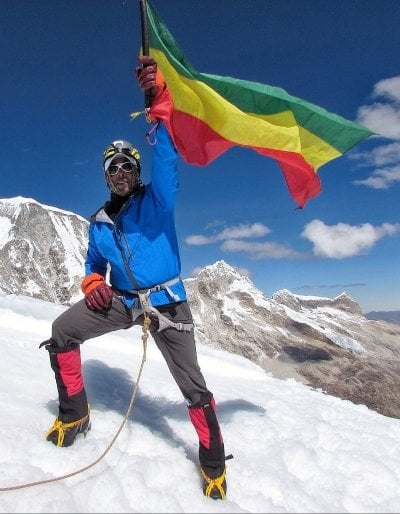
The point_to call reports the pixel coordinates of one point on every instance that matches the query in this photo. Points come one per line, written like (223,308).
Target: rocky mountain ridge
(42,250)
(322,342)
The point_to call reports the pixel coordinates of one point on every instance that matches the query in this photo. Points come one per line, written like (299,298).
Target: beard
(124,184)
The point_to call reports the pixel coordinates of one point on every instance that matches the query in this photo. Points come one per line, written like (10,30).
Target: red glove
(98,294)
(149,77)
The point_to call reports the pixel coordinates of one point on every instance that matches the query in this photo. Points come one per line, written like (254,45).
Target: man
(133,238)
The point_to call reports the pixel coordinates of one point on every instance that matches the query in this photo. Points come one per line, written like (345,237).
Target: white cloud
(383,117)
(380,156)
(198,240)
(233,241)
(244,231)
(387,154)
(196,271)
(259,251)
(334,242)
(381,178)
(389,88)
(236,231)
(342,240)
(245,272)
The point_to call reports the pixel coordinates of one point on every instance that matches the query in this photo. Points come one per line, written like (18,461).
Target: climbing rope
(145,336)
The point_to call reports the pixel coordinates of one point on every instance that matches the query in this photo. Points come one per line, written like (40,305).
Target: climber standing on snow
(134,236)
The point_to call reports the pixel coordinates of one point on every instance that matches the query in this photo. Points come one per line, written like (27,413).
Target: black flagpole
(145,42)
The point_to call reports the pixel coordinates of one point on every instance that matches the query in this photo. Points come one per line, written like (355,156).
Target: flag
(208,114)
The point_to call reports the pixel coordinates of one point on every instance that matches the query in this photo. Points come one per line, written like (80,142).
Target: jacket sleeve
(164,175)
(94,262)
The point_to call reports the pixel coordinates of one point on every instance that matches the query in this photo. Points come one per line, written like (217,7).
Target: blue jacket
(144,232)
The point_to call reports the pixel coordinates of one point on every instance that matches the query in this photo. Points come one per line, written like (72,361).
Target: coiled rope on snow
(145,336)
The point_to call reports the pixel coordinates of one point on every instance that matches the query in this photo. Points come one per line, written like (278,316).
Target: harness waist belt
(144,299)
(154,289)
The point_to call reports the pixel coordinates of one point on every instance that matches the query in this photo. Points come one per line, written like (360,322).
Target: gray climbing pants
(78,324)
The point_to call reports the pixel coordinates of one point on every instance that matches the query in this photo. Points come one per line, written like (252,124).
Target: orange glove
(98,294)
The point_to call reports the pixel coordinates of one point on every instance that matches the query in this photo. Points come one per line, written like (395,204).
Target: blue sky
(68,89)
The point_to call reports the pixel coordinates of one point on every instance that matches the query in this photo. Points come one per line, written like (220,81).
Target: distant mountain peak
(14,205)
(225,277)
(343,301)
(17,200)
(220,267)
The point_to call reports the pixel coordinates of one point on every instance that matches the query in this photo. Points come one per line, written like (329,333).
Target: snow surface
(307,318)
(295,449)
(5,228)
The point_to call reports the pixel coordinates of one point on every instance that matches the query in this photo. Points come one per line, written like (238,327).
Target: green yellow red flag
(208,114)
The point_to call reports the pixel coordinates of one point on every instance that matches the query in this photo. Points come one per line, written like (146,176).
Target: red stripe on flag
(198,144)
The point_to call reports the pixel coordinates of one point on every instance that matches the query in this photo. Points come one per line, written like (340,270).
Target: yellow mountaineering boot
(214,488)
(64,434)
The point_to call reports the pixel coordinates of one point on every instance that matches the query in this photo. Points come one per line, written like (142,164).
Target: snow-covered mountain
(326,343)
(323,342)
(42,250)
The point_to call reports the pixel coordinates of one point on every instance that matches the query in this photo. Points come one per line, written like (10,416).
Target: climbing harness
(143,296)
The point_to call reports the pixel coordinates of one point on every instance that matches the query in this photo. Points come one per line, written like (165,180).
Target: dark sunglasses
(126,167)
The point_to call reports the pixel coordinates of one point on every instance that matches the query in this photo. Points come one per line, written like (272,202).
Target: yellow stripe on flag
(273,131)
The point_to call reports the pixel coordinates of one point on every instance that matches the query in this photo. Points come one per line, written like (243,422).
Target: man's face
(123,181)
